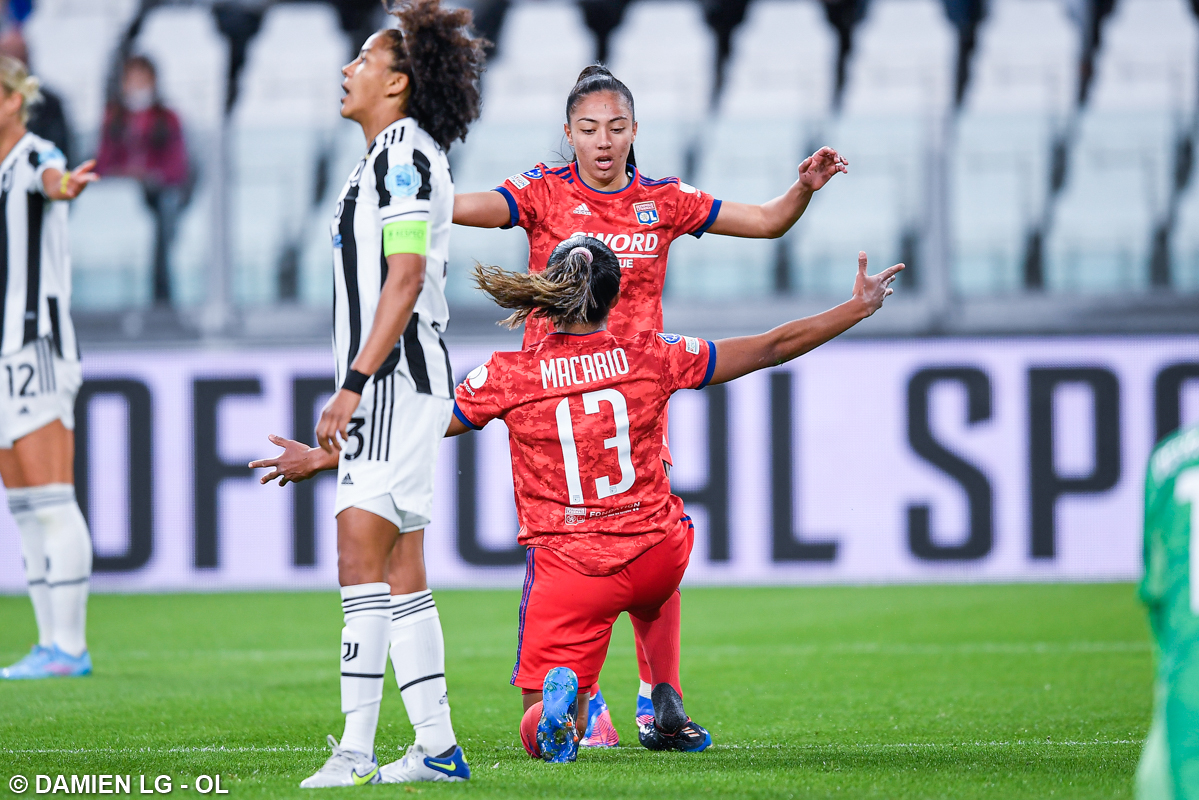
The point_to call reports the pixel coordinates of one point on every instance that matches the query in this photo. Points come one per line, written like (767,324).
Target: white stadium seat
(903,62)
(286,115)
(192,60)
(747,161)
(1184,242)
(71,54)
(542,48)
(768,76)
(1115,193)
(999,184)
(1026,60)
(1148,60)
(666,54)
(112,243)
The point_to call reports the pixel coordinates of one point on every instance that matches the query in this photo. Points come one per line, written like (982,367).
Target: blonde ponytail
(15,77)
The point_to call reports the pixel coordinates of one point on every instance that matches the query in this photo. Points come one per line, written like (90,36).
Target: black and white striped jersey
(35,262)
(404,176)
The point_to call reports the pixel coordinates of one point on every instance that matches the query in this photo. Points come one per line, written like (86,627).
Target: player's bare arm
(68,185)
(746,354)
(405,277)
(773,218)
(298,462)
(481,210)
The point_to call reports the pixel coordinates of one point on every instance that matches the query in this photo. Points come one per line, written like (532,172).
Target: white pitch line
(825,746)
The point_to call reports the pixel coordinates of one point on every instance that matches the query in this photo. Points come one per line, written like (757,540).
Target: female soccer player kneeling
(585,412)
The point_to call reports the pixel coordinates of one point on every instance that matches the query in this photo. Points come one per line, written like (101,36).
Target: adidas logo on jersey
(582,209)
(347,480)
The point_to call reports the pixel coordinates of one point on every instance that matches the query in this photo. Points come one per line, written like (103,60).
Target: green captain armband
(406,236)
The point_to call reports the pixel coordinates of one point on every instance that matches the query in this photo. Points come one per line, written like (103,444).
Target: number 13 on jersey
(604,487)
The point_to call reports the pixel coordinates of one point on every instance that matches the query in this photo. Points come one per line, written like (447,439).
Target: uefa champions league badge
(402,180)
(646,212)
(670,338)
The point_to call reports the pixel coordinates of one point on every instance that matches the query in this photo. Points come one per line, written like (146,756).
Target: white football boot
(417,765)
(344,768)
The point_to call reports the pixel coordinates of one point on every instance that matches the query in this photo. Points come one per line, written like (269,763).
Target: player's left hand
(78,179)
(820,167)
(335,419)
(298,462)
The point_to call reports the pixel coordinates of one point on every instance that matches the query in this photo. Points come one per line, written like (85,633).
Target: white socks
(68,551)
(33,553)
(646,690)
(363,661)
(418,658)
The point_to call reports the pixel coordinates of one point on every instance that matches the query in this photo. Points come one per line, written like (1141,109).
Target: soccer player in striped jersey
(414,91)
(585,411)
(602,193)
(39,378)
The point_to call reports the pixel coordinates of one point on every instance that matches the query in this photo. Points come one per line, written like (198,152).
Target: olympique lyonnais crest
(646,212)
(575,515)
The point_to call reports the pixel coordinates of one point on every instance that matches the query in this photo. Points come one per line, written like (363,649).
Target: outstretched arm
(68,185)
(746,354)
(481,210)
(775,217)
(298,462)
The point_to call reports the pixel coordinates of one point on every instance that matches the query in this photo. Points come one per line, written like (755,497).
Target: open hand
(78,179)
(872,290)
(298,462)
(820,167)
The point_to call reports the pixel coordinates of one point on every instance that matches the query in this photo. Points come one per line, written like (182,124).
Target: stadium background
(1030,160)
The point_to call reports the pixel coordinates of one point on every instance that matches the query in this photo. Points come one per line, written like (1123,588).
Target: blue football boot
(29,667)
(600,730)
(645,714)
(63,665)
(671,728)
(557,737)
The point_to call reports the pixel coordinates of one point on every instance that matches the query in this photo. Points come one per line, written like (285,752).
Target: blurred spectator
(143,139)
(46,119)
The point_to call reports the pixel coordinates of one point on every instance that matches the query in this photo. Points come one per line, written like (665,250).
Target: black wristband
(355,381)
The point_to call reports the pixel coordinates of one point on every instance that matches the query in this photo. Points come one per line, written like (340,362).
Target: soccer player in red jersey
(585,415)
(585,411)
(603,194)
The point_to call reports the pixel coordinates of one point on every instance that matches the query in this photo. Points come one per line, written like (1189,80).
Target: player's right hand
(335,419)
(298,462)
(872,290)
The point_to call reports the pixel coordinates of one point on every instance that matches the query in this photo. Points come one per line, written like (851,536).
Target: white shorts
(36,388)
(387,464)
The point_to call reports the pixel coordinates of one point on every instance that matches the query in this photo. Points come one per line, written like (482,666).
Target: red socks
(658,644)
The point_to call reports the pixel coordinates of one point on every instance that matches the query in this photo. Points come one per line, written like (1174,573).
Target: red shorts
(566,617)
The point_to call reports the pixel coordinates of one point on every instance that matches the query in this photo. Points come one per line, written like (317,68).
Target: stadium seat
(346,148)
(1148,60)
(508,249)
(1184,242)
(286,115)
(999,183)
(880,203)
(1026,61)
(112,246)
(748,161)
(767,76)
(903,62)
(192,253)
(666,54)
(192,59)
(529,84)
(72,55)
(1100,237)
(492,152)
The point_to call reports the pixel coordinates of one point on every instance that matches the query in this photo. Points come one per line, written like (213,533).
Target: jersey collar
(399,123)
(574,170)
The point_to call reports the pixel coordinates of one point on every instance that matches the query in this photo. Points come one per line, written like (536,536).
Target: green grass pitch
(1025,691)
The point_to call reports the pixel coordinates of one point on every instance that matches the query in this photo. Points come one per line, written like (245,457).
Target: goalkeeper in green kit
(1169,768)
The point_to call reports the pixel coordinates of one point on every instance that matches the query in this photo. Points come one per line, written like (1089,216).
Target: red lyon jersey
(585,417)
(638,222)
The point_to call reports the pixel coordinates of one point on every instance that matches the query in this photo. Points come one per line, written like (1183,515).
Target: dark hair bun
(593,69)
